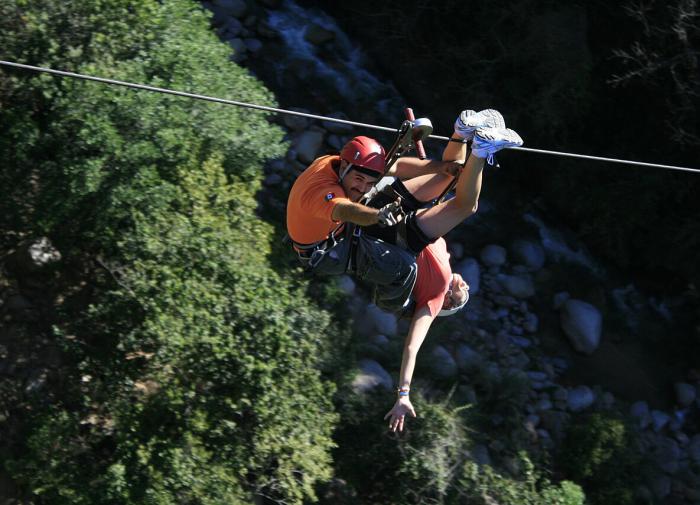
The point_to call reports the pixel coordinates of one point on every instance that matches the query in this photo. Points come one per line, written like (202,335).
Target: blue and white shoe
(468,121)
(488,141)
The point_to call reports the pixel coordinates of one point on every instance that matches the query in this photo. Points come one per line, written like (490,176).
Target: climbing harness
(323,118)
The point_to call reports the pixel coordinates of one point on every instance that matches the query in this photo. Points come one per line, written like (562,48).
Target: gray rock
(531,322)
(444,365)
(659,420)
(580,398)
(543,405)
(232,28)
(456,250)
(685,394)
(480,455)
(239,49)
(469,269)
(384,322)
(519,287)
(694,448)
(235,8)
(253,45)
(467,358)
(334,142)
(272,180)
(528,253)
(370,376)
(493,255)
(554,422)
(346,284)
(661,486)
(640,411)
(667,455)
(560,299)
(338,128)
(583,324)
(297,123)
(308,145)
(317,34)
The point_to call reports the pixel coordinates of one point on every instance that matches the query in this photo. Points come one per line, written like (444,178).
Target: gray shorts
(390,269)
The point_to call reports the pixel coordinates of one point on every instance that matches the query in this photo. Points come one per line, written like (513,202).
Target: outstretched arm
(420,324)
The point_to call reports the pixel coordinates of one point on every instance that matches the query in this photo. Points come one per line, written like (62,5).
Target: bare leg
(428,187)
(440,219)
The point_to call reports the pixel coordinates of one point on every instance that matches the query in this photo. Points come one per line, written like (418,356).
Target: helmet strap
(344,172)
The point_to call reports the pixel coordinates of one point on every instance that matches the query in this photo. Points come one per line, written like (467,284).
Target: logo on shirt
(330,197)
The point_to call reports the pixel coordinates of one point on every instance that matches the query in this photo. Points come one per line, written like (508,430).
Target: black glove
(391,214)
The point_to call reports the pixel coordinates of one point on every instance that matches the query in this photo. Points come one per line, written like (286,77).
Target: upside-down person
(438,291)
(324,218)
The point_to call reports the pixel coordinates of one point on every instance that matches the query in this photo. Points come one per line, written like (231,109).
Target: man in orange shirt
(324,215)
(438,291)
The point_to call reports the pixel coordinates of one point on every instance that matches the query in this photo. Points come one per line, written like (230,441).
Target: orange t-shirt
(311,201)
(434,276)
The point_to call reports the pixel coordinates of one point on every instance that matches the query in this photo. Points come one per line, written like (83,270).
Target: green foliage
(600,452)
(482,485)
(418,466)
(192,367)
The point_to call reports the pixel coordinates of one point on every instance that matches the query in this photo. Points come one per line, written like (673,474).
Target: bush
(600,453)
(191,368)
(481,485)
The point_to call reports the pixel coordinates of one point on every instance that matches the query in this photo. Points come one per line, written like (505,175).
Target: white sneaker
(468,121)
(488,141)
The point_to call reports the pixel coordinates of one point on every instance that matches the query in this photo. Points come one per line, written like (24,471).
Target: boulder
(560,299)
(345,284)
(297,123)
(694,449)
(253,45)
(467,358)
(659,420)
(469,269)
(493,255)
(382,321)
(235,8)
(338,128)
(444,365)
(640,411)
(667,455)
(308,144)
(371,375)
(582,323)
(685,394)
(517,286)
(528,253)
(317,34)
(580,398)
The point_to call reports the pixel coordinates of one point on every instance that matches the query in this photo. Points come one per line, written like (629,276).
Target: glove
(391,214)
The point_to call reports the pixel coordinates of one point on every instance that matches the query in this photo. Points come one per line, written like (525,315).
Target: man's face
(357,184)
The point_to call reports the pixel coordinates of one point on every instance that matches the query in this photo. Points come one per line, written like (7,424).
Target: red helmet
(366,153)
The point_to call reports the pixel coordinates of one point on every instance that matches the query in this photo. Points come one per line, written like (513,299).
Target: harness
(311,255)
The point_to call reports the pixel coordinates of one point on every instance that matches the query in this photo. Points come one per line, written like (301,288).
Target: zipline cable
(314,116)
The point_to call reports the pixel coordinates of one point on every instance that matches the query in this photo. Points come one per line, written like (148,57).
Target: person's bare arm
(420,324)
(357,213)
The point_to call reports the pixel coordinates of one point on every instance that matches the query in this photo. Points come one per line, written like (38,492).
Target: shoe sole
(487,118)
(500,137)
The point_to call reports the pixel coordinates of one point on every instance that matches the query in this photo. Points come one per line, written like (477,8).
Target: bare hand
(398,413)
